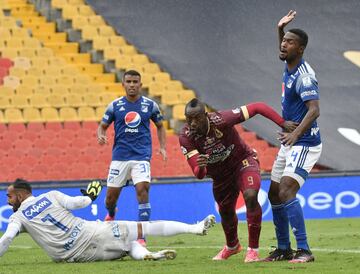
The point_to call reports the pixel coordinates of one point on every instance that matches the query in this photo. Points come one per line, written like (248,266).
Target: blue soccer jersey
(132,139)
(300,85)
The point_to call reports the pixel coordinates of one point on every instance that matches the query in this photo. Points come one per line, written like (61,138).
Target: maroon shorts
(246,176)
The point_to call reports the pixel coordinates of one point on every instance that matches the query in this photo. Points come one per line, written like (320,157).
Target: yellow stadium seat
(68,114)
(32,115)
(63,48)
(100,42)
(52,70)
(22,62)
(78,89)
(82,79)
(6,91)
(85,10)
(2,118)
(162,77)
(25,90)
(96,20)
(47,80)
(170,98)
(36,71)
(88,32)
(8,21)
(178,112)
(146,79)
(123,61)
(151,68)
(91,68)
(13,115)
(9,52)
(31,43)
(186,95)
(41,89)
(174,85)
(128,49)
(60,89)
(11,81)
(99,112)
(5,102)
(56,100)
(104,77)
(69,12)
(87,114)
(65,79)
(156,88)
(108,97)
(117,40)
(140,59)
(75,2)
(18,72)
(111,53)
(30,80)
(76,58)
(44,52)
(20,101)
(19,32)
(75,100)
(38,100)
(50,114)
(96,88)
(27,52)
(78,22)
(5,32)
(69,70)
(58,37)
(39,62)
(106,31)
(58,3)
(93,100)
(14,42)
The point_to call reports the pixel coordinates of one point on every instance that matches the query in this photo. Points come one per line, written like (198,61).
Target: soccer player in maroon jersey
(213,147)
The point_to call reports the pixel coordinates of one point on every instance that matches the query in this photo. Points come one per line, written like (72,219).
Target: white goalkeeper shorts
(111,240)
(295,162)
(120,172)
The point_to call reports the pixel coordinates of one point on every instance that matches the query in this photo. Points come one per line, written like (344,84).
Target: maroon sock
(229,223)
(254,225)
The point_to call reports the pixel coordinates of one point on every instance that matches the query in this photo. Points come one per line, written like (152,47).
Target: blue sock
(297,222)
(281,222)
(144,212)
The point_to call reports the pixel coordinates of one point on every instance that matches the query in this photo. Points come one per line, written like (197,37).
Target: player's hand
(287,19)
(102,139)
(93,190)
(163,153)
(202,160)
(290,126)
(287,139)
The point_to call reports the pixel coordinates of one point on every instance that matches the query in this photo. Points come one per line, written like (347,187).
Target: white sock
(169,228)
(255,249)
(137,251)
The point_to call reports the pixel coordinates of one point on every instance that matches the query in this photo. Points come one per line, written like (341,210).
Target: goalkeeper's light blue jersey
(132,139)
(300,85)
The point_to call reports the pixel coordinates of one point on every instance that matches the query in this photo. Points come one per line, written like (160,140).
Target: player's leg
(226,196)
(302,160)
(280,218)
(249,181)
(139,252)
(117,177)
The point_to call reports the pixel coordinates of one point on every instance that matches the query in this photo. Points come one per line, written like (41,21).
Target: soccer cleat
(279,255)
(225,253)
(252,256)
(108,218)
(161,255)
(142,242)
(302,256)
(207,223)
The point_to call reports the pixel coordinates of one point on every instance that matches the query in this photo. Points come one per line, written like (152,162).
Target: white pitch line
(326,250)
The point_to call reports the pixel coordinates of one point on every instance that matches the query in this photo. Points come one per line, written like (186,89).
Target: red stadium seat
(19,127)
(54,126)
(92,125)
(72,125)
(37,127)
(6,63)
(23,144)
(30,135)
(36,152)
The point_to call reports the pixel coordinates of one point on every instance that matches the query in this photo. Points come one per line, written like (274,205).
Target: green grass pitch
(335,244)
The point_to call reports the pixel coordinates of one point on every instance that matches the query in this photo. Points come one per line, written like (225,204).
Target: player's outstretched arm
(283,22)
(6,239)
(101,133)
(161,133)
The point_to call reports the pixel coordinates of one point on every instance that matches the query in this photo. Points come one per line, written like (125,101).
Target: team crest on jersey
(132,119)
(218,133)
(306,81)
(183,150)
(289,83)
(144,108)
(236,110)
(35,209)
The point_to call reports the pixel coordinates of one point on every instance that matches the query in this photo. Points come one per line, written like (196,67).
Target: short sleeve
(307,87)
(156,115)
(108,116)
(235,116)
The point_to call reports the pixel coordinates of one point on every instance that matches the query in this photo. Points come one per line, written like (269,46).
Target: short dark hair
(132,73)
(303,37)
(195,103)
(21,184)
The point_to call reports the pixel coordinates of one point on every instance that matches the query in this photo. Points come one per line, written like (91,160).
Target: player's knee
(285,195)
(274,198)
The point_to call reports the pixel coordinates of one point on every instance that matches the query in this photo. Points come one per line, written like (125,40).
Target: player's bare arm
(101,133)
(289,139)
(283,22)
(161,133)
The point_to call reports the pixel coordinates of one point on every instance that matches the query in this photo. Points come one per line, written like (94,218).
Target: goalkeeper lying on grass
(65,237)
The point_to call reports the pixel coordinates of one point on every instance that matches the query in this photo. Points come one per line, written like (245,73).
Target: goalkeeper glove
(93,190)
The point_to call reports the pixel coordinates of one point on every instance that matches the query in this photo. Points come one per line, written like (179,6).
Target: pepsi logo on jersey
(132,120)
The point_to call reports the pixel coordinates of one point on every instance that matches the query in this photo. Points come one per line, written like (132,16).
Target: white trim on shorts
(295,162)
(120,172)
